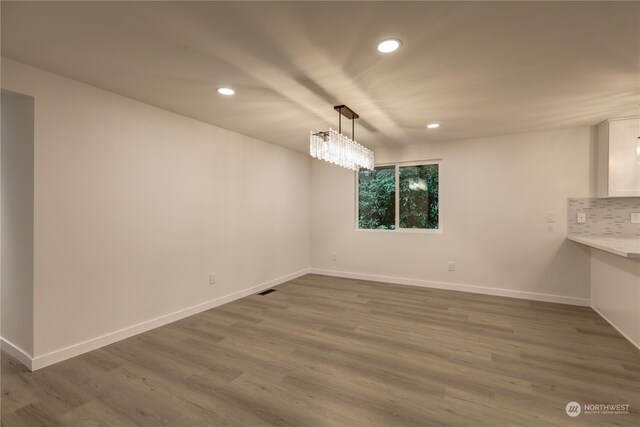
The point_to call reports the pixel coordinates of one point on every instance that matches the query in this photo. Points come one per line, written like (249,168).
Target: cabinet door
(624,168)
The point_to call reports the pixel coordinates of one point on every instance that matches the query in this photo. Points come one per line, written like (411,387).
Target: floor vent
(267,292)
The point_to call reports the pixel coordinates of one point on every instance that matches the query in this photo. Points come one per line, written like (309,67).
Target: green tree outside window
(418,191)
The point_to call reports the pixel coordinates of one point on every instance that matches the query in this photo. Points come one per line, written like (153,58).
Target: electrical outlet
(334,256)
(581,218)
(451,266)
(635,218)
(551,217)
(212,278)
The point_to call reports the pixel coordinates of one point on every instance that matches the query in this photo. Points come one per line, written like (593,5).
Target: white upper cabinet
(619,158)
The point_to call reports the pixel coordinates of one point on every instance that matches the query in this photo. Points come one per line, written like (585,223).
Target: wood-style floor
(323,351)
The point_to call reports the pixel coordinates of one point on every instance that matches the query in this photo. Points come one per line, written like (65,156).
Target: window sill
(402,231)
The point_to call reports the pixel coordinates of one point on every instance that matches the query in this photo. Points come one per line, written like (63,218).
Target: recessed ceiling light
(433,125)
(388,45)
(226,91)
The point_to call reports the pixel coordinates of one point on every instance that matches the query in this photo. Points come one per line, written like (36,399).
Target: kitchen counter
(626,247)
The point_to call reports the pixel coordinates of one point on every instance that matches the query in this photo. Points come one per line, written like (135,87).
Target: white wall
(494,195)
(17,222)
(135,205)
(615,292)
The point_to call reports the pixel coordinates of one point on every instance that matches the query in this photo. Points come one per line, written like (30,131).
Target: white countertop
(626,247)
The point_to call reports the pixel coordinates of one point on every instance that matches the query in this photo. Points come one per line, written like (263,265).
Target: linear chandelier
(336,148)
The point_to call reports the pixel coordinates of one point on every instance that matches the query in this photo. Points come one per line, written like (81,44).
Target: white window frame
(397,166)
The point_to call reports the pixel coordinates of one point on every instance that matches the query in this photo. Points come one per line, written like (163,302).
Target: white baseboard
(585,302)
(15,351)
(65,353)
(41,361)
(616,328)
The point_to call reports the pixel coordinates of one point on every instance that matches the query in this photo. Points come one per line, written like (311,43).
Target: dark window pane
(419,196)
(376,198)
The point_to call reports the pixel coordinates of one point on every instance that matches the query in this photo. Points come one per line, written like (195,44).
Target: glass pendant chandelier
(336,148)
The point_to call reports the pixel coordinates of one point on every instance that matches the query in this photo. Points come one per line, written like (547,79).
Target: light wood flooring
(324,351)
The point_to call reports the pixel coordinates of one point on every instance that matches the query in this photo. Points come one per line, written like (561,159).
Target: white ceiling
(478,68)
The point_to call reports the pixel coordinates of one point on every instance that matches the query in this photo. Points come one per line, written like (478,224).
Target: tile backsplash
(605,217)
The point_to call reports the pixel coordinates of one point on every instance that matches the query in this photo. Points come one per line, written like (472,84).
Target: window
(377,198)
(396,197)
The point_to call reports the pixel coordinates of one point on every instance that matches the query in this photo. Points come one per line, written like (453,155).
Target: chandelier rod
(349,114)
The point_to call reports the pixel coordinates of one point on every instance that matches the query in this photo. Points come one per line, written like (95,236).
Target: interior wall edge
(47,359)
(637,344)
(19,354)
(533,296)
